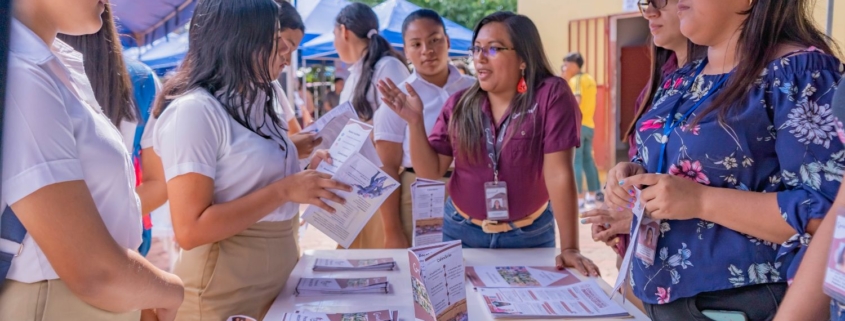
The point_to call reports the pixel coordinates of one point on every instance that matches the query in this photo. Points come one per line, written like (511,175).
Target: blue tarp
(391,14)
(143,21)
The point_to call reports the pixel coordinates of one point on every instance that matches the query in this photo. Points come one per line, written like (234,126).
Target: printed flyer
(437,278)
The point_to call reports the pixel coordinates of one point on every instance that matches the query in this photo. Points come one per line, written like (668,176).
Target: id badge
(647,240)
(834,279)
(496,197)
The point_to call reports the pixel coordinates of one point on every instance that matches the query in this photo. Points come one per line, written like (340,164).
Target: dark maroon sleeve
(562,122)
(439,139)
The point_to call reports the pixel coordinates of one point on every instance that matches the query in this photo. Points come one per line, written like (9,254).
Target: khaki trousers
(51,300)
(241,275)
(406,214)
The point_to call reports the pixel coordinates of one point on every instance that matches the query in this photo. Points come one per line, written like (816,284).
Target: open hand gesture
(408,106)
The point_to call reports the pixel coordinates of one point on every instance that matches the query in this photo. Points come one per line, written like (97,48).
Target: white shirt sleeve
(39,147)
(388,126)
(147,136)
(389,68)
(190,135)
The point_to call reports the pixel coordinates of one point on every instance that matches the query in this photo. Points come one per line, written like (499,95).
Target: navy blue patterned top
(782,140)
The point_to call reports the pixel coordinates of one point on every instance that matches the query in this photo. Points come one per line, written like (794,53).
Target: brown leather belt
(495,227)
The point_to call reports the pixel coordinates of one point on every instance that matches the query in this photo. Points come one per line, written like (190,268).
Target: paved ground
(603,256)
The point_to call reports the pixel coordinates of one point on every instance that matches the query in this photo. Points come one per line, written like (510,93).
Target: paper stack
(428,198)
(383,315)
(332,265)
(581,300)
(320,286)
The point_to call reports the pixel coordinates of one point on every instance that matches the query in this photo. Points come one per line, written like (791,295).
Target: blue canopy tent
(318,16)
(143,22)
(391,14)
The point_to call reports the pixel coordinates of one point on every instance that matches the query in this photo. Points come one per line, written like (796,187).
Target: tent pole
(830,18)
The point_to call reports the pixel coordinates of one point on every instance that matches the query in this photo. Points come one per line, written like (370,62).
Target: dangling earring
(522,87)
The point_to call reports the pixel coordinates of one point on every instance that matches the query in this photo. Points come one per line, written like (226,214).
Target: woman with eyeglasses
(512,137)
(737,156)
(434,80)
(669,50)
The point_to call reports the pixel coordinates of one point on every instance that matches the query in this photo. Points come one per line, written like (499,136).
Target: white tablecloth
(401,298)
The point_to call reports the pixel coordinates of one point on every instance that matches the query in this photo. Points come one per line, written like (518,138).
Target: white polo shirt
(54,131)
(388,126)
(386,68)
(196,135)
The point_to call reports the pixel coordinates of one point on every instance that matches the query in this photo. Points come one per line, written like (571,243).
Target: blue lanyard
(671,123)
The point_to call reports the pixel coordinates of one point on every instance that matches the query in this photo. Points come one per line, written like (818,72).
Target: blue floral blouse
(783,140)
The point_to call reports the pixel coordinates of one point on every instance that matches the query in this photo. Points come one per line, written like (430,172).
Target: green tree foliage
(465,12)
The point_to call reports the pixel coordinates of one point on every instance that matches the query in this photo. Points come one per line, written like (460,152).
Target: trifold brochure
(518,276)
(428,198)
(437,280)
(383,315)
(371,186)
(318,286)
(584,299)
(333,265)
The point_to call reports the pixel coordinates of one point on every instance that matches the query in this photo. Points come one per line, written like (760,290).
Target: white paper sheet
(638,210)
(371,186)
(583,299)
(428,198)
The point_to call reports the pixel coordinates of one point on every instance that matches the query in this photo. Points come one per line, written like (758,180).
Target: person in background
(529,120)
(669,49)
(463,68)
(71,219)
(332,98)
(763,93)
(584,87)
(233,176)
(126,90)
(434,80)
(805,299)
(304,102)
(372,59)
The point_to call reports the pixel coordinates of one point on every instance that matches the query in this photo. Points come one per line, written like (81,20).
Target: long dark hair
(466,124)
(106,71)
(289,18)
(231,43)
(770,24)
(659,58)
(360,19)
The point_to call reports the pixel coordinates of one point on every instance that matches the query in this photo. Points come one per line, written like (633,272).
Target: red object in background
(148,222)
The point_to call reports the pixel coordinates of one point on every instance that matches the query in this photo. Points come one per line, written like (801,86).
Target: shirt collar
(454,77)
(28,46)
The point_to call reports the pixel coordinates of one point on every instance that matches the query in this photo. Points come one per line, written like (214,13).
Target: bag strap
(12,233)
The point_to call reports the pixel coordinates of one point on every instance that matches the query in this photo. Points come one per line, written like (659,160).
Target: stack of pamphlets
(320,286)
(333,265)
(383,315)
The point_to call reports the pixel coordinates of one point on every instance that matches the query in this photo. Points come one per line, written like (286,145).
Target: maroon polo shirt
(552,125)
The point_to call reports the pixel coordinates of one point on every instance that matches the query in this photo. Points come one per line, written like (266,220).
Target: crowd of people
(734,150)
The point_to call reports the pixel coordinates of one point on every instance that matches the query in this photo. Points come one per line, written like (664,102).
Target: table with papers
(401,296)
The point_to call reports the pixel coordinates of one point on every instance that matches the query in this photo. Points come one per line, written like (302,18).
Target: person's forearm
(135,284)
(564,206)
(223,220)
(153,194)
(805,299)
(753,213)
(425,159)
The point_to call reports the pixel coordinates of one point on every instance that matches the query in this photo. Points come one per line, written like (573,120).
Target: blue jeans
(585,164)
(539,234)
(837,311)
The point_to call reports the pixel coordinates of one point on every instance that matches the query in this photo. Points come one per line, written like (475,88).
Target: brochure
(518,276)
(428,198)
(583,299)
(437,279)
(834,279)
(383,315)
(370,187)
(318,286)
(384,264)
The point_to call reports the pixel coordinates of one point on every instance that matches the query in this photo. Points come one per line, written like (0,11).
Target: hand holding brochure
(428,198)
(318,286)
(583,299)
(385,264)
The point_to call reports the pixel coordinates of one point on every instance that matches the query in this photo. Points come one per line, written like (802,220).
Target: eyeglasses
(657,4)
(490,51)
